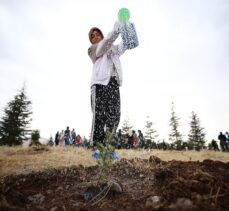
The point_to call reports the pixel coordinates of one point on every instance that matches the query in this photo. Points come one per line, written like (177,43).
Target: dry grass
(18,160)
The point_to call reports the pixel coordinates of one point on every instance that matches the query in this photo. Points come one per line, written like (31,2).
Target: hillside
(182,181)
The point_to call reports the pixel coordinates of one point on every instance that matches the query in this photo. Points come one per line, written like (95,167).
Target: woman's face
(95,37)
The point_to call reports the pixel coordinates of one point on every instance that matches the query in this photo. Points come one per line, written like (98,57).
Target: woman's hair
(94,29)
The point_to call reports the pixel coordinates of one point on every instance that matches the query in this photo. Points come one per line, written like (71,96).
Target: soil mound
(148,184)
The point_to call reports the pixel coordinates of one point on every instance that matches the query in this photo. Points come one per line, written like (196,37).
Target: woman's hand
(117,27)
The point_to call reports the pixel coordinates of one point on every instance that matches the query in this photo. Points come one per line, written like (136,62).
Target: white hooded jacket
(104,55)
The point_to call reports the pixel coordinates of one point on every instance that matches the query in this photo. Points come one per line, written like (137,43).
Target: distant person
(79,141)
(85,142)
(129,144)
(215,145)
(67,136)
(61,139)
(141,139)
(227,136)
(67,132)
(223,142)
(73,136)
(134,138)
(57,138)
(119,139)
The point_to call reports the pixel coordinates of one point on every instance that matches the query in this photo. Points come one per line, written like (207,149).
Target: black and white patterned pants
(105,103)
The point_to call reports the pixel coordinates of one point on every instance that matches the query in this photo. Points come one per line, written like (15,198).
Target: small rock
(116,187)
(184,203)
(152,177)
(37,198)
(77,204)
(59,188)
(49,191)
(153,201)
(91,192)
(54,209)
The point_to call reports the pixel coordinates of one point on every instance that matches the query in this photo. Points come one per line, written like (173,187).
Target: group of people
(67,137)
(223,142)
(129,140)
(133,139)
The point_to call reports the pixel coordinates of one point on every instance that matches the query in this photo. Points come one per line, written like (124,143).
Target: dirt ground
(147,184)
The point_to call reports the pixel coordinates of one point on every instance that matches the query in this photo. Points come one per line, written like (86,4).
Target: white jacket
(103,55)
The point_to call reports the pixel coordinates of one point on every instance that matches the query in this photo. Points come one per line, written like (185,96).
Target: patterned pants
(105,103)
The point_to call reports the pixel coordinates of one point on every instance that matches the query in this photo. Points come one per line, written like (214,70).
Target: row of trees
(16,119)
(196,137)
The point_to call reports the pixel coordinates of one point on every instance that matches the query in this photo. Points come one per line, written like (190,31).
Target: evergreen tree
(175,136)
(50,142)
(15,121)
(126,126)
(35,136)
(150,134)
(86,142)
(196,134)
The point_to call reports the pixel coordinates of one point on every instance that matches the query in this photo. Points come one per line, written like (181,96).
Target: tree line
(196,137)
(16,119)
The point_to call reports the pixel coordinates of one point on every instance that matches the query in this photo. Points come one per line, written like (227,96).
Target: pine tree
(35,136)
(126,126)
(125,129)
(175,136)
(50,141)
(14,125)
(150,134)
(196,134)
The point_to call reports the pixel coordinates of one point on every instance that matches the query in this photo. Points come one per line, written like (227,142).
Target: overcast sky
(183,56)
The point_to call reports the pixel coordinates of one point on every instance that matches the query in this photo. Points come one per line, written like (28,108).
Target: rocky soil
(147,184)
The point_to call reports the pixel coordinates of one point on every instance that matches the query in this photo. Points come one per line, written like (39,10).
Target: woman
(105,81)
